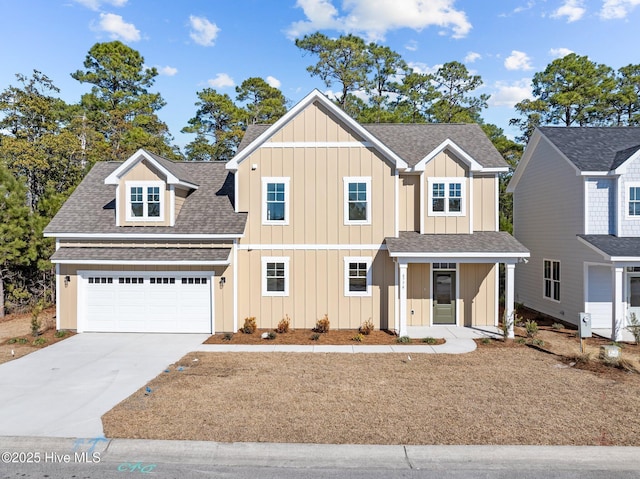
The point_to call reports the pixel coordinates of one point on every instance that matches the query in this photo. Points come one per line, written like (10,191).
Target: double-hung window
(275,201)
(357,200)
(633,210)
(275,276)
(551,277)
(144,200)
(357,276)
(446,196)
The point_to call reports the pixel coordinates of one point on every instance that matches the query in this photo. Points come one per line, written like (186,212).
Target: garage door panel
(148,302)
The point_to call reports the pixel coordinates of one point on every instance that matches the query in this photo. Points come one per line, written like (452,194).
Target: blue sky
(215,43)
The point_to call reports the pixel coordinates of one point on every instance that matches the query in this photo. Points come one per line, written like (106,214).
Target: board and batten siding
(446,165)
(548,212)
(419,294)
(316,287)
(478,296)
(409,198)
(484,203)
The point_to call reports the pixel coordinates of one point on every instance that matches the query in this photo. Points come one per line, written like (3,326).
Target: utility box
(584,325)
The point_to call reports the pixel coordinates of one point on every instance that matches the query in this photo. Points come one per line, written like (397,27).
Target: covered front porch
(451,281)
(612,287)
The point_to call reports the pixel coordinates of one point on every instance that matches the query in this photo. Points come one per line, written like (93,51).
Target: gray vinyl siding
(548,214)
(628,226)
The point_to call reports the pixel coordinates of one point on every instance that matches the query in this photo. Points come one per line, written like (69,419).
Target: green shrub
(12,341)
(367,327)
(315,336)
(227,336)
(403,340)
(23,340)
(538,342)
(634,327)
(271,335)
(35,319)
(250,325)
(531,327)
(521,341)
(39,341)
(486,341)
(283,325)
(429,340)
(358,337)
(557,326)
(61,333)
(322,325)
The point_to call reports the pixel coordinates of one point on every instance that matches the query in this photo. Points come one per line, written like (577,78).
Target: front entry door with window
(444,297)
(634,296)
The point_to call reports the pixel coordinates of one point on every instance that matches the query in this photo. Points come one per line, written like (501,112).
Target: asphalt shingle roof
(594,148)
(412,142)
(615,245)
(67,254)
(207,210)
(491,242)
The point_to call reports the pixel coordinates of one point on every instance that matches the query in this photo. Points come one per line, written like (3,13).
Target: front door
(444,297)
(634,296)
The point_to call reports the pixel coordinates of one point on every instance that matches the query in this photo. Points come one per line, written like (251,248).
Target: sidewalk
(346,456)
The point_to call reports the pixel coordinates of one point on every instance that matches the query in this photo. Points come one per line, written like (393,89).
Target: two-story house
(576,195)
(316,214)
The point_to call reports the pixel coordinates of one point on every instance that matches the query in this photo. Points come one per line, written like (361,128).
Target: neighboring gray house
(576,207)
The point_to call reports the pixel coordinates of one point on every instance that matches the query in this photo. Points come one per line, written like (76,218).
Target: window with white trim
(275,200)
(633,200)
(551,277)
(145,200)
(446,196)
(275,276)
(357,276)
(357,200)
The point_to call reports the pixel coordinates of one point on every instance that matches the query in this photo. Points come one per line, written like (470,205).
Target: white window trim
(275,259)
(287,199)
(447,181)
(144,185)
(627,190)
(356,179)
(544,280)
(357,259)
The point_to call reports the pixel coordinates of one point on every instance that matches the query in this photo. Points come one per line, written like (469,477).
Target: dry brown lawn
(15,334)
(498,394)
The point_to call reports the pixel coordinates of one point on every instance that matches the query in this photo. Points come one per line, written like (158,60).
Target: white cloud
(96,4)
(418,67)
(222,80)
(572,9)
(560,52)
(614,9)
(518,61)
(117,28)
(508,94)
(273,81)
(411,45)
(374,19)
(167,71)
(203,32)
(472,57)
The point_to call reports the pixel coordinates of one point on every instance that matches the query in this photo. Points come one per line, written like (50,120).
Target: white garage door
(146,302)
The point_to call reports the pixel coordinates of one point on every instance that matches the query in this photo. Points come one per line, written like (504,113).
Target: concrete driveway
(64,389)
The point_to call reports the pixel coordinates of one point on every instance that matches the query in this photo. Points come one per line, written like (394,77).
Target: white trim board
(311,247)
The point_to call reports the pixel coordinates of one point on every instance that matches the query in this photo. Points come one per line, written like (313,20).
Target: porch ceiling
(496,245)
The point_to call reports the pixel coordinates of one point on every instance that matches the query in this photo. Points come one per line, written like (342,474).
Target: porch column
(403,299)
(509,297)
(617,305)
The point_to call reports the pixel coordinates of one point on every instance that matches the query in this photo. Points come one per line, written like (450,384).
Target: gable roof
(594,148)
(207,211)
(176,172)
(315,96)
(415,142)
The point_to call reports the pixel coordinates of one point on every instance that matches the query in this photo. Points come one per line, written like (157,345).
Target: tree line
(48,145)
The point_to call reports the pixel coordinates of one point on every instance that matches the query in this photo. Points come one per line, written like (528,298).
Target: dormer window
(144,201)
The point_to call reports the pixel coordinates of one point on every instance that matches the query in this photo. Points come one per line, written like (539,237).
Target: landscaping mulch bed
(306,337)
(495,395)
